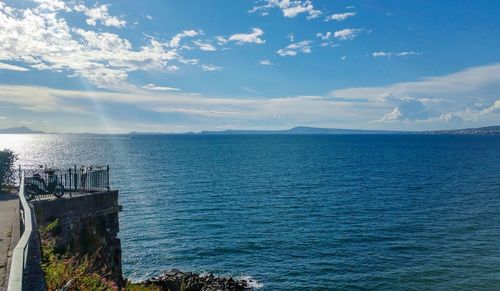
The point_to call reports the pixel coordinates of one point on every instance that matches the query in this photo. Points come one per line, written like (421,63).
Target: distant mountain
(148,133)
(489,130)
(304,130)
(19,130)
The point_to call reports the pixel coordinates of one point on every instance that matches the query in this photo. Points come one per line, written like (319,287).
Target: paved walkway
(9,232)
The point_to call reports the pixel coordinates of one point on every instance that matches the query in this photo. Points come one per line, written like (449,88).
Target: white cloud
(406,54)
(3,117)
(471,94)
(159,88)
(103,41)
(253,37)
(294,48)
(340,16)
(4,66)
(392,116)
(52,5)
(408,109)
(204,46)
(382,54)
(45,41)
(347,34)
(325,36)
(468,96)
(149,17)
(172,68)
(211,68)
(285,110)
(100,14)
(289,8)
(176,40)
(265,62)
(221,40)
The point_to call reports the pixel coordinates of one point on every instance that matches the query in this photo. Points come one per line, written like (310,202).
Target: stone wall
(88,225)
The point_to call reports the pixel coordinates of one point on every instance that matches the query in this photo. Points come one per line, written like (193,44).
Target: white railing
(20,254)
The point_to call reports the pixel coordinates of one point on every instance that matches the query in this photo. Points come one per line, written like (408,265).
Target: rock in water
(175,280)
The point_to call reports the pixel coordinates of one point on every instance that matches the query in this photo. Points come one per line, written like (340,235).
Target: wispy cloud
(324,36)
(289,8)
(176,40)
(382,54)
(347,34)
(159,88)
(102,58)
(326,39)
(252,37)
(214,111)
(294,48)
(340,16)
(471,94)
(4,66)
(52,5)
(211,68)
(204,46)
(265,62)
(99,14)
(409,53)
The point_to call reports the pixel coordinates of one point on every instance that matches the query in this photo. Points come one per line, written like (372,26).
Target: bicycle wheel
(30,191)
(59,191)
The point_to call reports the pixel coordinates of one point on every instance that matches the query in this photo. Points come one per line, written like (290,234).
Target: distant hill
(303,130)
(488,130)
(19,130)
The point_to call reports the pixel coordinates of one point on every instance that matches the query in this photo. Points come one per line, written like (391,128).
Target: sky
(176,66)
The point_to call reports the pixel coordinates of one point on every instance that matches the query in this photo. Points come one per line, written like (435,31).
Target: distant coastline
(20,130)
(300,130)
(304,130)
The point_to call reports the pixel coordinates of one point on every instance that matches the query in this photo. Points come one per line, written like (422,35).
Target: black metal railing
(76,179)
(87,179)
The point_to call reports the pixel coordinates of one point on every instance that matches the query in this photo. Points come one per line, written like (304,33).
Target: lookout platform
(86,219)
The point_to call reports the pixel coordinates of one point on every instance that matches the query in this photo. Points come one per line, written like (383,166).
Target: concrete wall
(88,224)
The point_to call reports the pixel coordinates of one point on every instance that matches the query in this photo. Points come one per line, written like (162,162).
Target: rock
(175,280)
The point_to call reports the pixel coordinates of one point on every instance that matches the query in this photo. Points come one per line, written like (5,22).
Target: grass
(75,272)
(71,272)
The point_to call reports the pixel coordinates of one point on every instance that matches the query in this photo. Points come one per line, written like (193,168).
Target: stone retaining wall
(88,225)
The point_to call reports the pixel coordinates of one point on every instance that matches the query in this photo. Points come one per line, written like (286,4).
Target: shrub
(75,272)
(7,159)
(63,271)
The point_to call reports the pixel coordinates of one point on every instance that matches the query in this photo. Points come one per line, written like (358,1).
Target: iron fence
(76,179)
(86,179)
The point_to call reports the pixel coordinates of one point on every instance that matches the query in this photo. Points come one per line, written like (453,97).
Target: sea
(299,212)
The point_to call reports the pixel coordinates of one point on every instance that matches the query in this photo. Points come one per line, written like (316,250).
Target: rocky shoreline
(175,280)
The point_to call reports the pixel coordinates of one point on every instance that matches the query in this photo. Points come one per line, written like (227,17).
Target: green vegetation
(7,159)
(75,272)
(140,287)
(66,271)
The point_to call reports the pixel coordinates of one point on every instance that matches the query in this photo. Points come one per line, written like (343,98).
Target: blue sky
(174,66)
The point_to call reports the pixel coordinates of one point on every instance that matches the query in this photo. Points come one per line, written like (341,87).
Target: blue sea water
(300,212)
